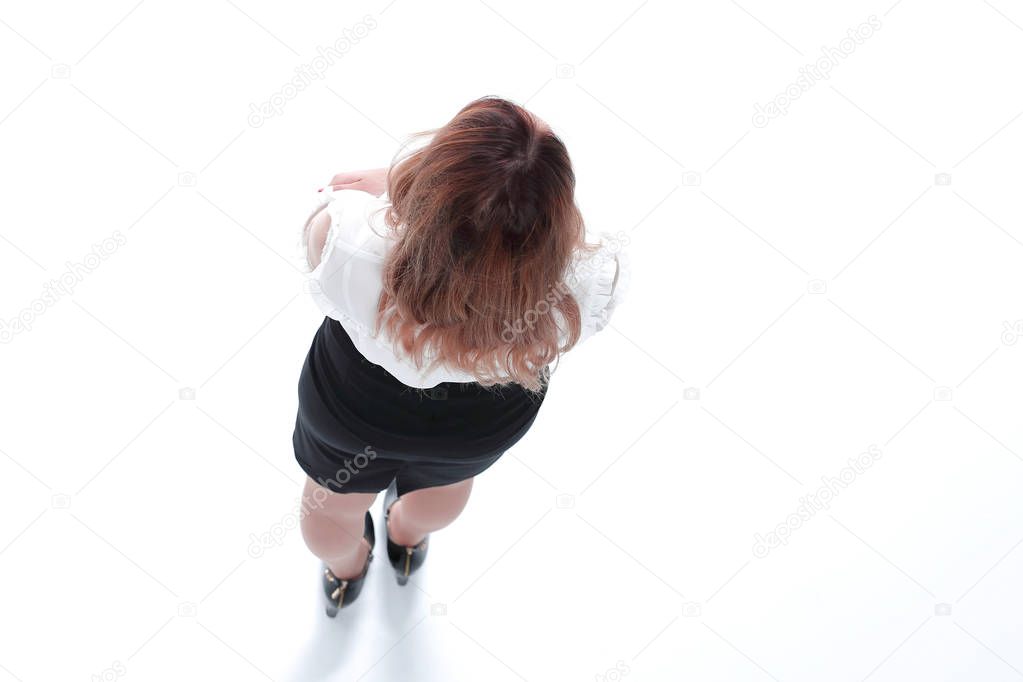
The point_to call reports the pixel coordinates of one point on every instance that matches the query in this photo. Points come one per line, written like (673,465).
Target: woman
(450,283)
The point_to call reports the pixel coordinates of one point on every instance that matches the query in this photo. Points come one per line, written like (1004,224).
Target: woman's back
(348,281)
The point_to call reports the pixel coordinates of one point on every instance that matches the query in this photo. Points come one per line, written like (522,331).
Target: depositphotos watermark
(274,536)
(62,287)
(615,673)
(307,74)
(592,263)
(1012,332)
(115,671)
(811,74)
(810,504)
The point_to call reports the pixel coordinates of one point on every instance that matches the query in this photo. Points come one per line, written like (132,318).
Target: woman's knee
(439,501)
(316,497)
(332,522)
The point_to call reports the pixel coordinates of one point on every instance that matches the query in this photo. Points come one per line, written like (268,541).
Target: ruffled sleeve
(345,282)
(302,245)
(326,269)
(600,281)
(612,288)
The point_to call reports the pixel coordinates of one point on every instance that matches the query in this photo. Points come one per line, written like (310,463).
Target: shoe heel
(342,592)
(403,567)
(404,560)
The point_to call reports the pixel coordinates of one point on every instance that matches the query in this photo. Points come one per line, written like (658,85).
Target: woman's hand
(373,181)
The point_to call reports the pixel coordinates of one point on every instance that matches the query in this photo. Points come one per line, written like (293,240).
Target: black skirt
(358,427)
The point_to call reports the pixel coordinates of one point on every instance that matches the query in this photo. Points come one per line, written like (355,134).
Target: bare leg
(332,526)
(425,510)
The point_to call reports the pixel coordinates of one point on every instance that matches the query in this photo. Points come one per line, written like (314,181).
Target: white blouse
(347,283)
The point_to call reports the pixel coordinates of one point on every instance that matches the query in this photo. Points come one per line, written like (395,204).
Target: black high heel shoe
(340,593)
(404,560)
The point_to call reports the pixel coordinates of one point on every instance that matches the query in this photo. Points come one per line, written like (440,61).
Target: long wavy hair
(485,227)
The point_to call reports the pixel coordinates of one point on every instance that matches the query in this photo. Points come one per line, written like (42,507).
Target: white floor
(841,282)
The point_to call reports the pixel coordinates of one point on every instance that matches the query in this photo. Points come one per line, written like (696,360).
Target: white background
(812,283)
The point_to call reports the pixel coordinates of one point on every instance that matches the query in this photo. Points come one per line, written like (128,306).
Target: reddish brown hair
(486,225)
